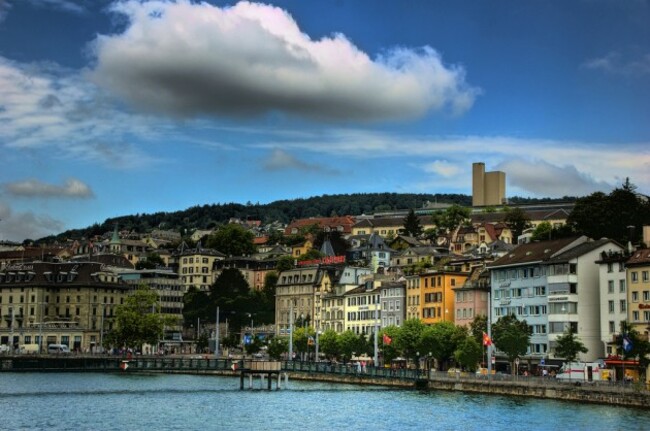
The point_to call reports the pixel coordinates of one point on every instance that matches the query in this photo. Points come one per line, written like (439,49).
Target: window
(610,286)
(646,295)
(646,316)
(611,306)
(612,327)
(635,316)
(610,267)
(634,276)
(644,276)
(621,286)
(635,296)
(623,306)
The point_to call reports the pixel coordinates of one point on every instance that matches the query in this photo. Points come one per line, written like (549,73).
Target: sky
(111,108)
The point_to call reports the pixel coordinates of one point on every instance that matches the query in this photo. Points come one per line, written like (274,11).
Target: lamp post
(291,331)
(317,334)
(216,334)
(376,357)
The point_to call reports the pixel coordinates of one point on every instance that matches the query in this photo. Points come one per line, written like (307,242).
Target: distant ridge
(211,215)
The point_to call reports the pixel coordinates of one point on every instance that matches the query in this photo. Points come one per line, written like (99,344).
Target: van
(55,349)
(583,371)
(29,349)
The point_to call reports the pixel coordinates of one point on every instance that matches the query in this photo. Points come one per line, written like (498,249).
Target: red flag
(487,341)
(387,339)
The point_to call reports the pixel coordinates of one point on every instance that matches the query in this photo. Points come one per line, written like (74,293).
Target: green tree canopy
(441,340)
(412,226)
(152,261)
(568,346)
(138,320)
(469,353)
(511,336)
(599,215)
(407,340)
(640,348)
(277,347)
(448,220)
(478,326)
(285,263)
(517,220)
(328,344)
(232,240)
(348,344)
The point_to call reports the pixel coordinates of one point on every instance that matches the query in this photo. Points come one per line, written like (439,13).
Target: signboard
(328,260)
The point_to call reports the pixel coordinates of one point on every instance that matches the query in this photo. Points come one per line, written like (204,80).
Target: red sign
(644,306)
(329,260)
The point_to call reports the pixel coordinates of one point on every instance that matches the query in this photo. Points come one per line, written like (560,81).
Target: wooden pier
(269,370)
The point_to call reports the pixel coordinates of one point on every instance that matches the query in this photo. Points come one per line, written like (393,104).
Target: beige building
(363,309)
(488,188)
(294,297)
(638,292)
(196,267)
(60,303)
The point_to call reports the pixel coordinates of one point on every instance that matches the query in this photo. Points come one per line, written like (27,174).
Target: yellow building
(437,295)
(488,188)
(59,303)
(638,290)
(413,294)
(196,267)
(363,309)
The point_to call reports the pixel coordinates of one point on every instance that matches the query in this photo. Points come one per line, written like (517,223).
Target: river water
(82,401)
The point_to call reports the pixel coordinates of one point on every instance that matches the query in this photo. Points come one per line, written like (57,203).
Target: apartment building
(59,303)
(294,297)
(471,298)
(638,295)
(613,297)
(196,266)
(393,303)
(437,295)
(363,309)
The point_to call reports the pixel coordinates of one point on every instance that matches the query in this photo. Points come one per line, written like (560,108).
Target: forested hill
(209,216)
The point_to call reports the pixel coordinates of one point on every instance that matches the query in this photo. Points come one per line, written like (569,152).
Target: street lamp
(317,334)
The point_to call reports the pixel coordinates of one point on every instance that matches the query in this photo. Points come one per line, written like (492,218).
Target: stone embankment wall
(613,395)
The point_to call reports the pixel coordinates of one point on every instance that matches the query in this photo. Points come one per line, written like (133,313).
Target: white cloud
(46,106)
(442,168)
(66,5)
(26,225)
(280,160)
(190,59)
(545,179)
(598,165)
(72,188)
(614,63)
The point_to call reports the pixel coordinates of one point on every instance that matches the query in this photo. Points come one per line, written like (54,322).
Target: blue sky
(114,108)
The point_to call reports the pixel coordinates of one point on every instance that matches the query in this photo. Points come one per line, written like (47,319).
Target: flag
(627,344)
(387,339)
(487,341)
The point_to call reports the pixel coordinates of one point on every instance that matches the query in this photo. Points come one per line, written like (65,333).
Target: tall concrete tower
(488,188)
(478,184)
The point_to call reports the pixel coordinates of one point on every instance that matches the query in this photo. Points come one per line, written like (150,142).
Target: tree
(152,261)
(412,226)
(138,320)
(569,346)
(618,216)
(639,348)
(348,344)
(543,231)
(448,220)
(231,293)
(232,240)
(388,349)
(441,340)
(517,220)
(407,340)
(196,305)
(285,263)
(478,326)
(511,336)
(328,344)
(469,353)
(277,347)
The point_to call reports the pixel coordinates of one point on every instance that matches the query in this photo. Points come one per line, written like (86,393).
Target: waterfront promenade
(630,395)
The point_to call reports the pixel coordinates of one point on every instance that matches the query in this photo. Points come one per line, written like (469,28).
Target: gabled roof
(639,258)
(345,223)
(579,250)
(535,252)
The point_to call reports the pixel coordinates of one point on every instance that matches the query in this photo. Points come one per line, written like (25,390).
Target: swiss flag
(387,339)
(487,341)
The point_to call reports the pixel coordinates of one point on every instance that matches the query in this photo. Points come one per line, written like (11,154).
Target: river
(84,401)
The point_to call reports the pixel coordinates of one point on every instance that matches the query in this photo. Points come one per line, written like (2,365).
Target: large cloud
(73,188)
(545,179)
(17,226)
(191,59)
(45,106)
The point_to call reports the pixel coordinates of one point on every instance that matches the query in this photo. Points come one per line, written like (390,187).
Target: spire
(327,249)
